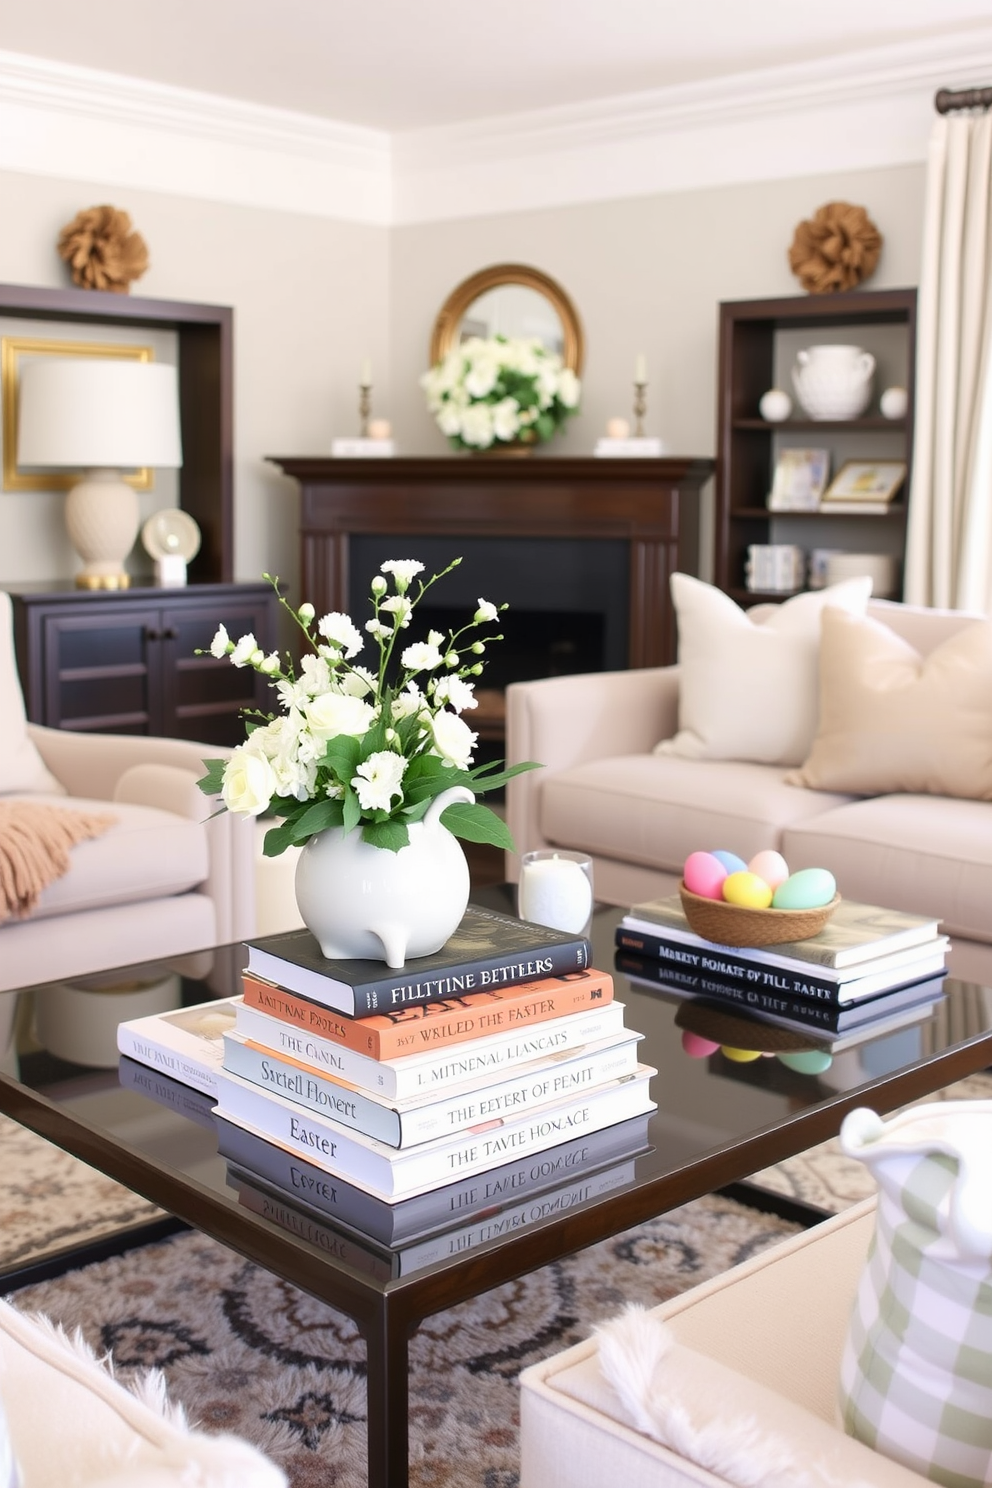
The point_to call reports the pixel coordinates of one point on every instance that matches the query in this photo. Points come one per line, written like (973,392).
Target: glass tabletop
(719,1118)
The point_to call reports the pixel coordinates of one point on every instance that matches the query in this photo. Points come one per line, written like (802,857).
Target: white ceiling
(408,64)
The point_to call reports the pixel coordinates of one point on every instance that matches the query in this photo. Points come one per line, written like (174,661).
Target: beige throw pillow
(747,689)
(892,720)
(21,766)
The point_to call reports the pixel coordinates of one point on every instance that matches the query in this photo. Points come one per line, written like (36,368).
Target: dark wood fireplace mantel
(650,505)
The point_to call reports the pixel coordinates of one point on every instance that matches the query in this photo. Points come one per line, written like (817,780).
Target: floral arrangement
(500,391)
(364,746)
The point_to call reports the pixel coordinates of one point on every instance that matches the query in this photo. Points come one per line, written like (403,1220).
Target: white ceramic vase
(834,382)
(364,901)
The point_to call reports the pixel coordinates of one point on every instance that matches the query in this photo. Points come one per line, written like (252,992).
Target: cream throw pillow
(21,766)
(893,720)
(747,690)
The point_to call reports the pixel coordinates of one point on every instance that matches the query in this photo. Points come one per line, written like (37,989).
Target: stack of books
(866,967)
(397,1102)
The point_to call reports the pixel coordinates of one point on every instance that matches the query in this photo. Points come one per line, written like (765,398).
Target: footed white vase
(364,901)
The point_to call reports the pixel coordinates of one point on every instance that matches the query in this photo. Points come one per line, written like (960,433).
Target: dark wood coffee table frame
(388,1312)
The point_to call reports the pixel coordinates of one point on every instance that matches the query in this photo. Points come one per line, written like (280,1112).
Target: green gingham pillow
(916,1373)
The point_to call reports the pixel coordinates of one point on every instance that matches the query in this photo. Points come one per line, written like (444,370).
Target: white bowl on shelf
(881,568)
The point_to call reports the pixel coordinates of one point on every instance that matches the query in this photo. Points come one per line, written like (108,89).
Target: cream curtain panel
(949,542)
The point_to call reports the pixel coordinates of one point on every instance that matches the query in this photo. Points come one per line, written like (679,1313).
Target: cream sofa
(756,1352)
(170,875)
(639,814)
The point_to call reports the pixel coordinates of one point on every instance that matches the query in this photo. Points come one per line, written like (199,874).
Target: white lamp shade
(98,413)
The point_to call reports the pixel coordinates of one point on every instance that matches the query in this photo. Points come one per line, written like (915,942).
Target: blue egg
(807,1061)
(730,861)
(809,888)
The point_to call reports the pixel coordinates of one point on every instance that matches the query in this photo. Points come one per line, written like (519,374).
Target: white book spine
(185,1044)
(417,1074)
(424,1118)
(396,1171)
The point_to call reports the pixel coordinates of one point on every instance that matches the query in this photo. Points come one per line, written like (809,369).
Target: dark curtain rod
(947,102)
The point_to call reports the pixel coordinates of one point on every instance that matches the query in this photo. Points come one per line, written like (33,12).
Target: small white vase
(834,382)
(364,901)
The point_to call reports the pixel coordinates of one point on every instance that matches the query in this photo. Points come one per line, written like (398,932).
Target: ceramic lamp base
(102,518)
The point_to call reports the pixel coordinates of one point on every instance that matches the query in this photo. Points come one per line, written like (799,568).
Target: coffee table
(717,1122)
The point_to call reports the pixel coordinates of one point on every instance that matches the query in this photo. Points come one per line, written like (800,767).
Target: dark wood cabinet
(758,343)
(127,663)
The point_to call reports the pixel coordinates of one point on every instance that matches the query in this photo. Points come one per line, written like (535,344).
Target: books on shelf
(409,1120)
(392,1222)
(398,1171)
(185,1044)
(431,1025)
(489,949)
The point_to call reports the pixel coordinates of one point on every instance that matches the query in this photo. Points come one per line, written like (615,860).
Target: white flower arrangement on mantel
(498,391)
(365,748)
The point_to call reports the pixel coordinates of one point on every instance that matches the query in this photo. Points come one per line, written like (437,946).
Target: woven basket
(733,925)
(738,1030)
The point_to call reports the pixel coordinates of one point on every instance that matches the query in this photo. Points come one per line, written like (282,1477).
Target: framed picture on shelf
(870,482)
(800,480)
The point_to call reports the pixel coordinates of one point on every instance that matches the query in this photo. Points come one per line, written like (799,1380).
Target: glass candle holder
(555,890)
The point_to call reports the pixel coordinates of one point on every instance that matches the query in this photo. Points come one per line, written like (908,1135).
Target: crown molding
(867,109)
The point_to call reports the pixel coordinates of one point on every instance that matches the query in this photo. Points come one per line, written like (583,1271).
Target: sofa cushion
(748,690)
(144,854)
(906,852)
(893,720)
(655,811)
(21,766)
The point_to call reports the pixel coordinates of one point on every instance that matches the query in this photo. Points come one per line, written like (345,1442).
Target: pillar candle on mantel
(641,368)
(555,890)
(366,375)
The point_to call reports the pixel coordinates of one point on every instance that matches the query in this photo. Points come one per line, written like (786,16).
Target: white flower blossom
(378,780)
(400,606)
(486,612)
(421,657)
(249,781)
(244,651)
(336,713)
(377,629)
(568,388)
(506,419)
(220,644)
(403,570)
(477,425)
(358,682)
(454,741)
(407,702)
(340,631)
(306,612)
(270,665)
(453,690)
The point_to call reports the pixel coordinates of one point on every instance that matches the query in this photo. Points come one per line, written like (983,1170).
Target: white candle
(641,368)
(366,373)
(555,892)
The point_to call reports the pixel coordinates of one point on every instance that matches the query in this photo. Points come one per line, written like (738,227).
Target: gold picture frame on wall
(13,349)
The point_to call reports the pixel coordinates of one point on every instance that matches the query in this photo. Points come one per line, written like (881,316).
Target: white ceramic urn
(834,382)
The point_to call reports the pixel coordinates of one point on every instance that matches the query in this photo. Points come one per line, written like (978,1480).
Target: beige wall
(310,300)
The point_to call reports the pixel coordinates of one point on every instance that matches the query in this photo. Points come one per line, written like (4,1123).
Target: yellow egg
(747,890)
(742,1056)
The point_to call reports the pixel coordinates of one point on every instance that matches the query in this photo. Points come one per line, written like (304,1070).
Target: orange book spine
(416,1029)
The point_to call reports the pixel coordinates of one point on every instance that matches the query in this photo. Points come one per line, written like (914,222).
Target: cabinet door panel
(101,670)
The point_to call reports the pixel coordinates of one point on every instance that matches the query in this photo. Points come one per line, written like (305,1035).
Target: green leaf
(341,755)
(317,817)
(352,810)
(391,835)
(477,824)
(277,839)
(213,781)
(486,782)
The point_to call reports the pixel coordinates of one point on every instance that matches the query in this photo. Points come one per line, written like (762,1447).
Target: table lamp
(100,416)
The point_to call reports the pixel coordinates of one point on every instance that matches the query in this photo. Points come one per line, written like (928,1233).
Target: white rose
(477,425)
(336,713)
(453,739)
(249,782)
(506,418)
(569,388)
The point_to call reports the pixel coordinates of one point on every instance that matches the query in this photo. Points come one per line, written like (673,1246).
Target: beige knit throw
(34,849)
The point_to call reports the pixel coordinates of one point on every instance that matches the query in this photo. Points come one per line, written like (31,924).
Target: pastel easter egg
(771,866)
(809,888)
(703,874)
(696,1046)
(807,1061)
(730,861)
(741,1056)
(747,890)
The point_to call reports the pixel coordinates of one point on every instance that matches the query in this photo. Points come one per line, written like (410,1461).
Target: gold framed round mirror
(510,300)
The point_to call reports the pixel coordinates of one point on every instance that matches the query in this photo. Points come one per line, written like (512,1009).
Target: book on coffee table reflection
(186,1044)
(489,949)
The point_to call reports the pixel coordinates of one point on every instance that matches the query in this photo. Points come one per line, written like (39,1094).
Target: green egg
(807,1061)
(809,888)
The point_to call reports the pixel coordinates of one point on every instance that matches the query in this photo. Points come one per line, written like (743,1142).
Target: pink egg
(703,874)
(771,866)
(696,1046)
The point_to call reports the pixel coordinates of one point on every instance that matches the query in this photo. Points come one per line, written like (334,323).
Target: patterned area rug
(246,1353)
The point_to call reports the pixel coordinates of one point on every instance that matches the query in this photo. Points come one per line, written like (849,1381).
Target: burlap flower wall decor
(102,251)
(835,249)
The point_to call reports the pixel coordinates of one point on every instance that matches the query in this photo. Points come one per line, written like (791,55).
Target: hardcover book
(186,1044)
(429,1025)
(775,974)
(437,1068)
(442,1112)
(185,1100)
(404,1170)
(396,1222)
(489,949)
(854,933)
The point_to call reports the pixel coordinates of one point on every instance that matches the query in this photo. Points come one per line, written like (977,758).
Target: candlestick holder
(364,408)
(640,408)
